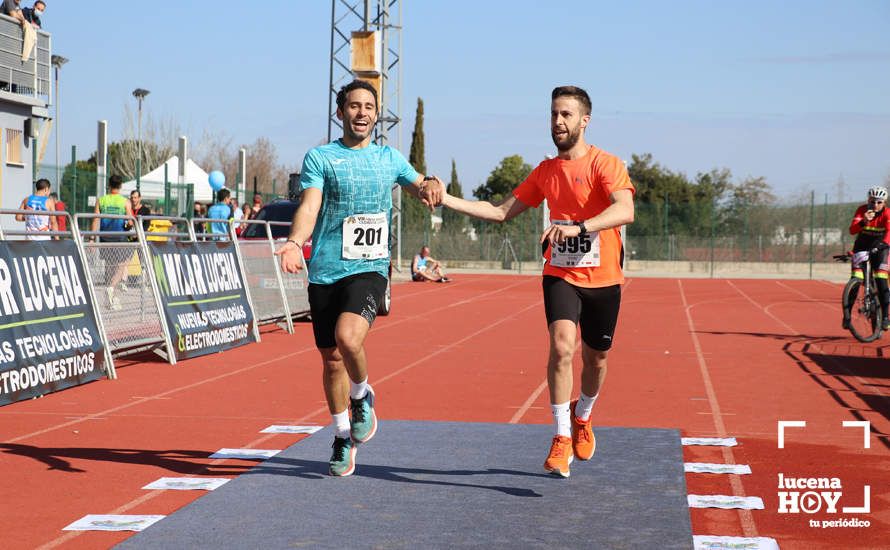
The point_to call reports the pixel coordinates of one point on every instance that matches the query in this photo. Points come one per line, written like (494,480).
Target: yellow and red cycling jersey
(870,233)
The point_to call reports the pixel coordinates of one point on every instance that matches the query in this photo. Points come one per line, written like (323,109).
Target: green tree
(415,216)
(751,209)
(500,183)
(451,220)
(85,185)
(503,179)
(659,194)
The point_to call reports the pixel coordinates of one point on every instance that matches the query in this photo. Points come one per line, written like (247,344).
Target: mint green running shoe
(363,421)
(343,458)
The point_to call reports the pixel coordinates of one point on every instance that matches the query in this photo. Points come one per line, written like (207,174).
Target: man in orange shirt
(590,196)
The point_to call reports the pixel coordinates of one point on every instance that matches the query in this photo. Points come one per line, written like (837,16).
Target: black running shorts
(596,309)
(360,294)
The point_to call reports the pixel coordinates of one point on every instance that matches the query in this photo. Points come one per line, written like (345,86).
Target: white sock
(357,391)
(562,419)
(341,424)
(584,406)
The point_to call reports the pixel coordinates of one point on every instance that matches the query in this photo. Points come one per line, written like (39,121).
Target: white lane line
(528,402)
(749,528)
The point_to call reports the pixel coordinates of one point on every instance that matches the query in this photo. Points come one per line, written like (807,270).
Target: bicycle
(862,308)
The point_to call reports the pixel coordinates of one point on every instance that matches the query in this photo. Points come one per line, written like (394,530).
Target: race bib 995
(580,251)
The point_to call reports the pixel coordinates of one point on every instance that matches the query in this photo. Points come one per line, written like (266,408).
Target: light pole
(139,94)
(57,62)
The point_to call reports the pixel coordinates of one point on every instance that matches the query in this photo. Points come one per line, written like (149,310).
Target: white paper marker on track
(188,483)
(99,522)
(718,441)
(246,454)
(708,542)
(708,468)
(279,429)
(724,501)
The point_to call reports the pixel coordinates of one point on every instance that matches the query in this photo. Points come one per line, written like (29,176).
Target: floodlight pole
(57,62)
(139,94)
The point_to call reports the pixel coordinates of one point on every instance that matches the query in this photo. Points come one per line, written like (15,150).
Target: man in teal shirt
(346,206)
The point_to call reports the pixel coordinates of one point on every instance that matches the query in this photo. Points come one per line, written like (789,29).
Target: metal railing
(73,234)
(264,279)
(296,285)
(122,279)
(29,78)
(264,276)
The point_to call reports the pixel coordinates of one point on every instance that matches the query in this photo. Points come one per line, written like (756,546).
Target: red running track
(708,357)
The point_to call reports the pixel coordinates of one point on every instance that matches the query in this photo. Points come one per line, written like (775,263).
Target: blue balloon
(217,180)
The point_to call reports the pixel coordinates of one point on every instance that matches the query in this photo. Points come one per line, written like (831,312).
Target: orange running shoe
(583,440)
(560,457)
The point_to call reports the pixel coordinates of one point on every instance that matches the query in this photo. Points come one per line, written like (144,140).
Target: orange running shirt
(578,190)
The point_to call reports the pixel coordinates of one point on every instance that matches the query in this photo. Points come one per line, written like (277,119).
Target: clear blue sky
(798,91)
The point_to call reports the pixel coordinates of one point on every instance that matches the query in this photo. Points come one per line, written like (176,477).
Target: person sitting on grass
(426,268)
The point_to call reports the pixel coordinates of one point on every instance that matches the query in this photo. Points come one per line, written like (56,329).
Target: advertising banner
(203,296)
(49,338)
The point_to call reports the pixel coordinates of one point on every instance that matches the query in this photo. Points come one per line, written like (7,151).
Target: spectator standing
(246,212)
(199,212)
(38,201)
(61,221)
(257,205)
(221,210)
(139,208)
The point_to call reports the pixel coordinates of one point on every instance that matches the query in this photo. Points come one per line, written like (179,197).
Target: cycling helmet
(877,192)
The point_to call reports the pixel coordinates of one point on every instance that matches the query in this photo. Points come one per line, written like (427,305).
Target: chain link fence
(713,238)
(124,297)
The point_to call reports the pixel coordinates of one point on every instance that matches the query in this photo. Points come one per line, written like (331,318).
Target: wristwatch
(582,228)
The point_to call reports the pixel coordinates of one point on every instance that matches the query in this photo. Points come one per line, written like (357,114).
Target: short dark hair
(575,92)
(222,194)
(137,192)
(53,195)
(42,184)
(115,182)
(39,2)
(355,85)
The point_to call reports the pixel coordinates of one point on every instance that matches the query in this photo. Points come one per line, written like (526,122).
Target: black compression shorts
(596,309)
(360,294)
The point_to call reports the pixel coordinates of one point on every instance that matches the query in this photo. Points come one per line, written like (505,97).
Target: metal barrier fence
(261,270)
(121,273)
(296,285)
(71,233)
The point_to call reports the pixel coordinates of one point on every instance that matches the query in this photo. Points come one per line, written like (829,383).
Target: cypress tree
(451,220)
(416,217)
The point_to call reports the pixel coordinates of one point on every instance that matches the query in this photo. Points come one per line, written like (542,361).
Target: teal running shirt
(356,187)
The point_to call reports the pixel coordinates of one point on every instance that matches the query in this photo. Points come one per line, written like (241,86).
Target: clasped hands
(432,192)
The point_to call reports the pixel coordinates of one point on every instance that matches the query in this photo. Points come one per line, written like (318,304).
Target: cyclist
(871,225)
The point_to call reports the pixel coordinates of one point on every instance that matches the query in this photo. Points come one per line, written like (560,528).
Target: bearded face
(567,122)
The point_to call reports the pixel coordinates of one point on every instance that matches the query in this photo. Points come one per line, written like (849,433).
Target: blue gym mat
(446,485)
